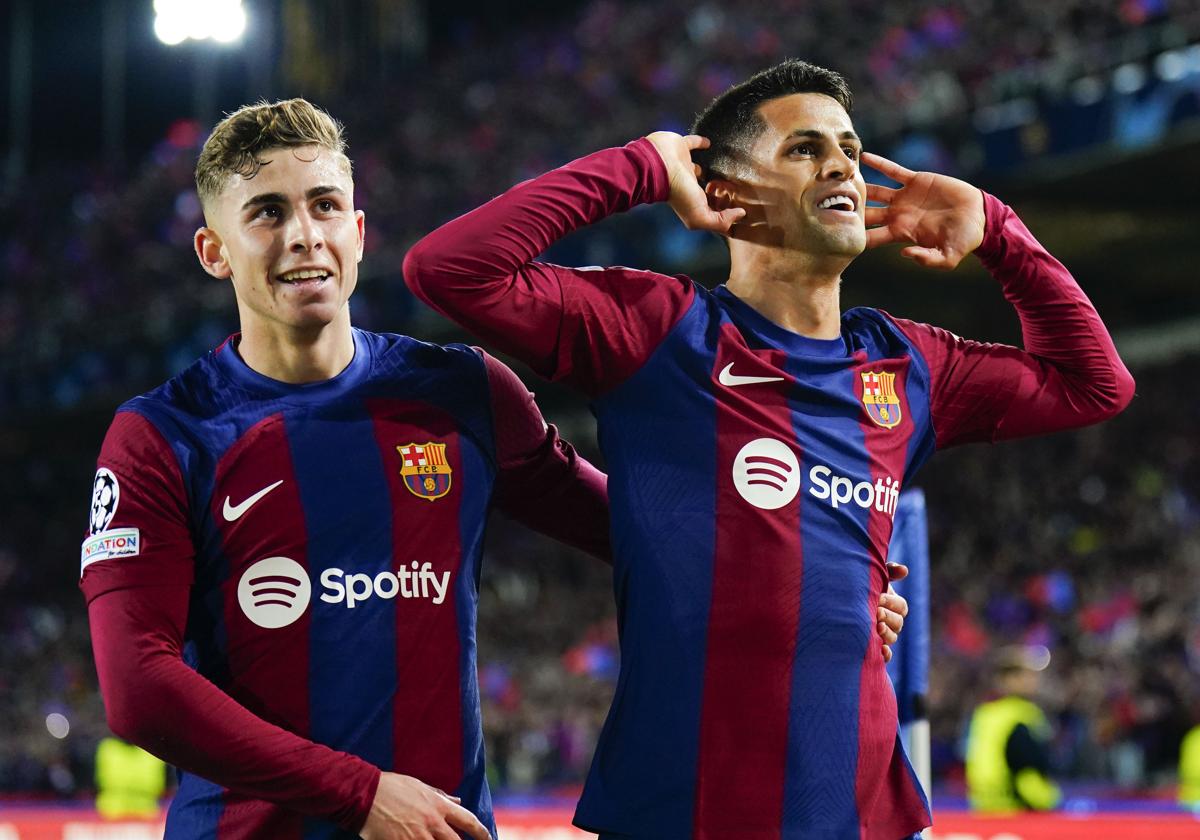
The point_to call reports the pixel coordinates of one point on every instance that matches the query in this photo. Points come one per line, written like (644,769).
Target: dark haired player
(757,438)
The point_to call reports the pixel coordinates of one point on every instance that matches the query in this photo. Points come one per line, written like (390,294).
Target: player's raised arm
(590,327)
(1068,374)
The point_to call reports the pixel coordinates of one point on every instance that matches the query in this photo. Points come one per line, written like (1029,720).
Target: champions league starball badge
(106,492)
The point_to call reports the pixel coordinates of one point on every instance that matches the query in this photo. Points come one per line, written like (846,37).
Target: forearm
(156,701)
(568,503)
(482,250)
(542,481)
(478,269)
(1081,379)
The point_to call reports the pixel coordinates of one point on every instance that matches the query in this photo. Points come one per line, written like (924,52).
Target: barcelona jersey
(753,479)
(327,539)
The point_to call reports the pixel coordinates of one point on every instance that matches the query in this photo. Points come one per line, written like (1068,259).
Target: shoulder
(191,396)
(394,353)
(181,412)
(876,330)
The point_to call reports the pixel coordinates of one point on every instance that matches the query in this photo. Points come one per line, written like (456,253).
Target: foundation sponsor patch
(119,542)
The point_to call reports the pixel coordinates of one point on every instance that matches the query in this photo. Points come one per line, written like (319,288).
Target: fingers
(463,820)
(716,221)
(874,216)
(928,257)
(889,168)
(695,141)
(877,236)
(877,192)
(897,571)
(887,631)
(729,217)
(887,653)
(892,602)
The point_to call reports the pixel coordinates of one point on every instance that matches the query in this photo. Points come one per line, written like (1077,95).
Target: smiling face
(804,171)
(290,240)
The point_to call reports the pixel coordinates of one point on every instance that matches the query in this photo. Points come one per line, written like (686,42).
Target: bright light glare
(176,21)
(230,26)
(57,725)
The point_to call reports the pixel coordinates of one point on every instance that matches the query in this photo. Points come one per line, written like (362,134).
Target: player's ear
(207,243)
(722,194)
(360,219)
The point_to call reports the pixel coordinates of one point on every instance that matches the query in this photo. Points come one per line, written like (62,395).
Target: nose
(303,234)
(838,166)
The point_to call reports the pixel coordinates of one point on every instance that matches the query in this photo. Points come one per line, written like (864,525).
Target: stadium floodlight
(176,21)
(57,725)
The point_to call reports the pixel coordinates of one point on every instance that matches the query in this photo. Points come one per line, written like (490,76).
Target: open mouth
(303,278)
(843,204)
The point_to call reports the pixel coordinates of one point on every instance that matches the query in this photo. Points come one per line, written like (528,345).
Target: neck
(797,291)
(298,356)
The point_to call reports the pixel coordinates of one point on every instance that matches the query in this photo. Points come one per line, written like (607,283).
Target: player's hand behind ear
(687,198)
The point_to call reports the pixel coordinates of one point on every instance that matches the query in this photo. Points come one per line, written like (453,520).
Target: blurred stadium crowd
(1086,543)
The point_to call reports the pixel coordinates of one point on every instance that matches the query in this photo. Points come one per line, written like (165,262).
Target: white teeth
(836,200)
(303,274)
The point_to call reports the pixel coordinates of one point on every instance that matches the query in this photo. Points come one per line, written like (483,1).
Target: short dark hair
(732,122)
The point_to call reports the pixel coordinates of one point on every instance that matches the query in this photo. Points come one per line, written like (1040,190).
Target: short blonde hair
(236,142)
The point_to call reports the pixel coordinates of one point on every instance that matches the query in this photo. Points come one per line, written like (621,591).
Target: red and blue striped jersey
(327,541)
(753,478)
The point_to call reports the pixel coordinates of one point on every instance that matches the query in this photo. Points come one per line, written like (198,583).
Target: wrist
(656,180)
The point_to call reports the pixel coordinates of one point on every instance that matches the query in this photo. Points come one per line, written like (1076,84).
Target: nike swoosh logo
(728,378)
(233,512)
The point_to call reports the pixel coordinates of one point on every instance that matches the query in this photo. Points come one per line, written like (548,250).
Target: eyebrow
(280,198)
(813,134)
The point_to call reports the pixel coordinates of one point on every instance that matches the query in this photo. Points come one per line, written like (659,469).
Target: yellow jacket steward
(129,781)
(1007,764)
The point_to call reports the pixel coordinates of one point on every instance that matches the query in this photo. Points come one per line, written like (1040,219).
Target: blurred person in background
(761,407)
(129,781)
(1008,740)
(1189,769)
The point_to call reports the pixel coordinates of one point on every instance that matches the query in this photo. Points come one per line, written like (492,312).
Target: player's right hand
(687,198)
(408,809)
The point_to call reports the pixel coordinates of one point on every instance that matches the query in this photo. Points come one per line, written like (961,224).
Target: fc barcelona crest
(425,470)
(880,399)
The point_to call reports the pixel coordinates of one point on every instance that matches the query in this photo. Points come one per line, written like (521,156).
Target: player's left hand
(942,217)
(892,610)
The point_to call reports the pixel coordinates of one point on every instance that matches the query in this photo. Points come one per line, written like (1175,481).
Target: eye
(801,149)
(326,205)
(851,152)
(269,211)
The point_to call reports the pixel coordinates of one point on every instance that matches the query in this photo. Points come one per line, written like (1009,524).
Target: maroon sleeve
(154,700)
(138,562)
(1068,375)
(543,482)
(138,531)
(590,327)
